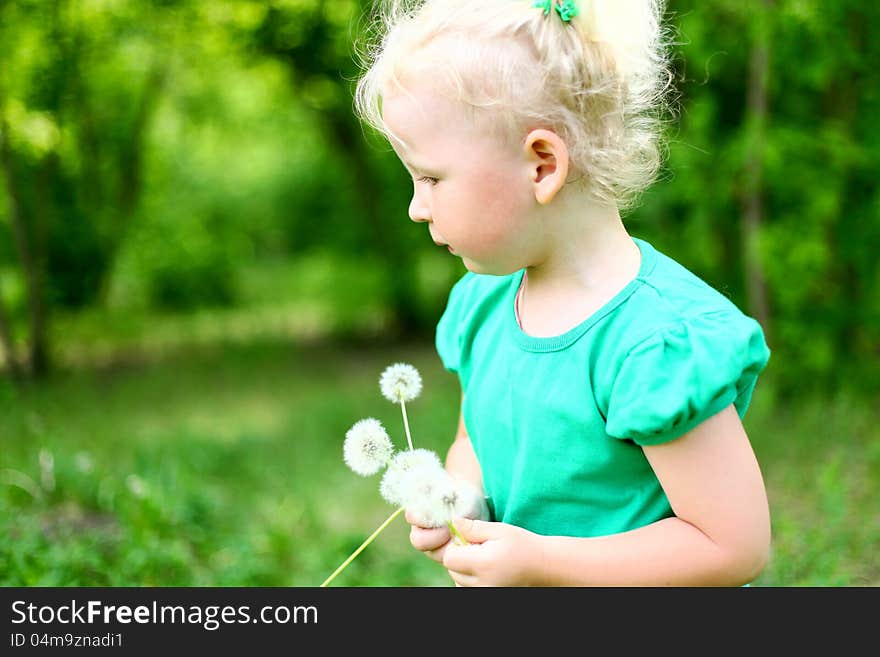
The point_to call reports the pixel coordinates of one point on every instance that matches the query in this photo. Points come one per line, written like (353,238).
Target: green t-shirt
(557,423)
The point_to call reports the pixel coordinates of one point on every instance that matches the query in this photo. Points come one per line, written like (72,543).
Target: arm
(720,535)
(461,463)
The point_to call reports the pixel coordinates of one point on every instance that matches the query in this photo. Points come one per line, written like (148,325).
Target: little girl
(603,384)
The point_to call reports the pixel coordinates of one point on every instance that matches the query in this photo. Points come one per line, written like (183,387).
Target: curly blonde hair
(598,81)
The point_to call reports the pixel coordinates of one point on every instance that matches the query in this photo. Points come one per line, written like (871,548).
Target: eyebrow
(416,168)
(412,167)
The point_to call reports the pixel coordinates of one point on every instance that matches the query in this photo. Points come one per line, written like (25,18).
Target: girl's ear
(547,158)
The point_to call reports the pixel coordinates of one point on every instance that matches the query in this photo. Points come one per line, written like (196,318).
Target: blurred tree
(771,181)
(77,90)
(145,109)
(314,39)
(752,196)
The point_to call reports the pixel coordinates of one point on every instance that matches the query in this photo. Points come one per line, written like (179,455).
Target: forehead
(416,115)
(424,123)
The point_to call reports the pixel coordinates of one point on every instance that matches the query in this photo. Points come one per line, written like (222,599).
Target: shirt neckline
(564,340)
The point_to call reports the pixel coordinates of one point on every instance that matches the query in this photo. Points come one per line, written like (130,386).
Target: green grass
(221,466)
(821,463)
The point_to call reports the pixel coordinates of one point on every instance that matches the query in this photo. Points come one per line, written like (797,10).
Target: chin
(487,270)
(474,267)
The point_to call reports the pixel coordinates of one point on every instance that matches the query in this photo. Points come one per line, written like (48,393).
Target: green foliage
(160,151)
(820,165)
(219,472)
(75,94)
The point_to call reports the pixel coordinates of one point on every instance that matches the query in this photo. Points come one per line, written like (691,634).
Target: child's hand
(498,555)
(433,540)
(430,540)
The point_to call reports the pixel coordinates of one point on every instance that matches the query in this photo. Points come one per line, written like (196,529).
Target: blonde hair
(598,81)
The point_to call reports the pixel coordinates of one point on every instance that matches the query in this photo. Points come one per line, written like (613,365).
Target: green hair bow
(566,9)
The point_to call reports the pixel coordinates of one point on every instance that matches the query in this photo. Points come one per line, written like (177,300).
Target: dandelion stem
(454,530)
(363,546)
(406,423)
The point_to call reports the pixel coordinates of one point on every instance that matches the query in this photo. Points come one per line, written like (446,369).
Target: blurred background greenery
(205,264)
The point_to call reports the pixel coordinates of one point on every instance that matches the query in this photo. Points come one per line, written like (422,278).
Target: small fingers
(428,539)
(437,555)
(461,579)
(462,559)
(417,521)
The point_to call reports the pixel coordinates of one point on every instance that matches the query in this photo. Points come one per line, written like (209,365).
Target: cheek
(502,200)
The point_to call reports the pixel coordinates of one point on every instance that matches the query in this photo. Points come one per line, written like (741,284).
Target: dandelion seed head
(367,447)
(469,501)
(429,494)
(412,459)
(389,487)
(394,482)
(400,382)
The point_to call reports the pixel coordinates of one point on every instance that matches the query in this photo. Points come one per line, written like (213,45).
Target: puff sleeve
(683,374)
(449,327)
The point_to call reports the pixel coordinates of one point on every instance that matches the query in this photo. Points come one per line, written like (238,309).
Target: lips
(438,243)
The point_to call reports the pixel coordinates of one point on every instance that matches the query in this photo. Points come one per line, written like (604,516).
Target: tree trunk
(318,57)
(131,165)
(753,197)
(347,138)
(853,246)
(30,262)
(44,209)
(6,340)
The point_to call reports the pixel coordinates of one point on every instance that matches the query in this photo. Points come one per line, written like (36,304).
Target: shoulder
(670,296)
(477,294)
(682,351)
(670,305)
(679,317)
(475,301)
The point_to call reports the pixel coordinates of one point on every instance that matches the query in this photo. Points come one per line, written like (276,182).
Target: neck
(590,252)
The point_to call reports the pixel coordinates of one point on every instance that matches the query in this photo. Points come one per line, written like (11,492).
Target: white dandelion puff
(400,382)
(389,487)
(415,479)
(367,447)
(413,459)
(430,495)
(470,501)
(402,465)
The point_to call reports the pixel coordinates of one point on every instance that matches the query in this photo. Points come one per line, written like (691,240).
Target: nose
(418,208)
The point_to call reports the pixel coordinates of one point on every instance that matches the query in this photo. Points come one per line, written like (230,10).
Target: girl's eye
(428,179)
